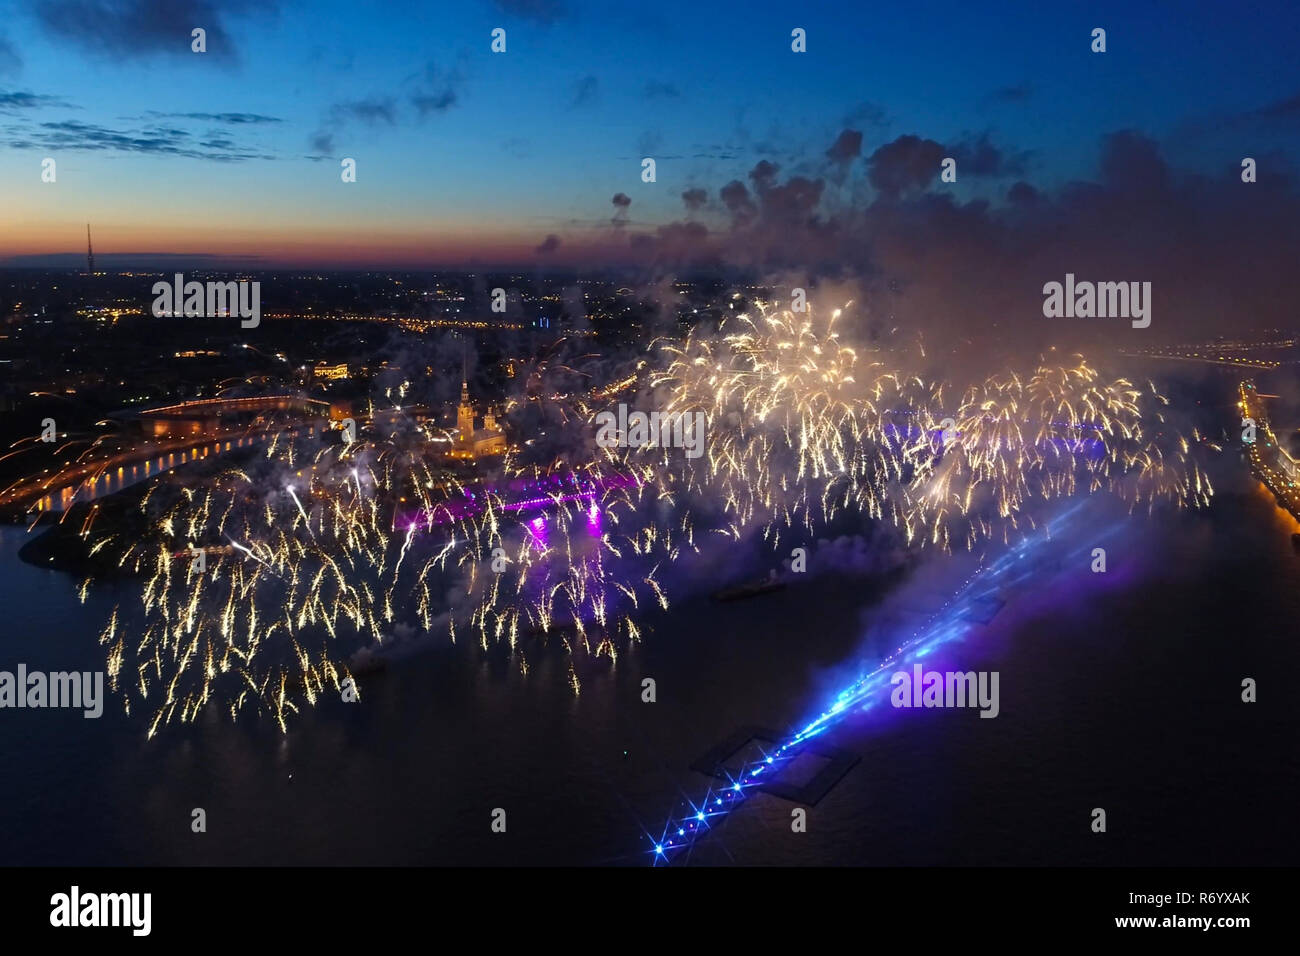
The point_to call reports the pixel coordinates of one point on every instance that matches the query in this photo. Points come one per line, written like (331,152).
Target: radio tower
(90,254)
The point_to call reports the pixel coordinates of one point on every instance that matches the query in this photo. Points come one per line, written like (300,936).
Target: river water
(1119,691)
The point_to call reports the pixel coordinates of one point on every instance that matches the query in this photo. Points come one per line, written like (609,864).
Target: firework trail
(573,545)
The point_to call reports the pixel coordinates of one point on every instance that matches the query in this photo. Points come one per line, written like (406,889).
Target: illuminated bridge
(208,416)
(174,435)
(1265,453)
(86,481)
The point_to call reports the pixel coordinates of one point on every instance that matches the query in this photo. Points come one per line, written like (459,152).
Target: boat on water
(750,589)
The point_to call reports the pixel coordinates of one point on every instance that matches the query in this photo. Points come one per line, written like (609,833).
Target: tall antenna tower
(90,254)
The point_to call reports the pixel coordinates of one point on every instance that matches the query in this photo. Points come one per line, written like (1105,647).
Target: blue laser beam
(950,623)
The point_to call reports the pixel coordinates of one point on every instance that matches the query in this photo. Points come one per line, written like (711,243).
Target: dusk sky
(466,156)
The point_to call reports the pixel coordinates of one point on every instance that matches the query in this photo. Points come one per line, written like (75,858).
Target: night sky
(469,157)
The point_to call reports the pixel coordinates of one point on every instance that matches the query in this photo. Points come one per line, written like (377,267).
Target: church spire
(465,413)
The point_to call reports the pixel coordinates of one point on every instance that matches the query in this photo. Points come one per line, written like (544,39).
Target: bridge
(1208,358)
(174,435)
(206,415)
(86,481)
(1264,451)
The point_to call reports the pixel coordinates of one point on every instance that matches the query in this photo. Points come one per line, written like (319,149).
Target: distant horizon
(153,262)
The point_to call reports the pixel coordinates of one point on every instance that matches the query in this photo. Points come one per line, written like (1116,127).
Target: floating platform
(838,762)
(982,610)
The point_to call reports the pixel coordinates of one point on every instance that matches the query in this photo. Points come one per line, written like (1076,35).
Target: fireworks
(320,549)
(801,426)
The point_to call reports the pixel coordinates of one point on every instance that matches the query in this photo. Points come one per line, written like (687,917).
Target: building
(1289,455)
(179,424)
(330,373)
(341,408)
(474,443)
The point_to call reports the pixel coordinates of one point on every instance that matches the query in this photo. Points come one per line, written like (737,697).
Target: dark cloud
(439,90)
(433,90)
(657,90)
(764,174)
(12,102)
(966,274)
(792,203)
(584,91)
(539,11)
(621,203)
(718,151)
(979,157)
(846,148)
(322,144)
(548,245)
(688,232)
(233,119)
(909,162)
(982,267)
(695,199)
(426,103)
(133,29)
(736,198)
(373,111)
(674,245)
(1131,163)
(70,135)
